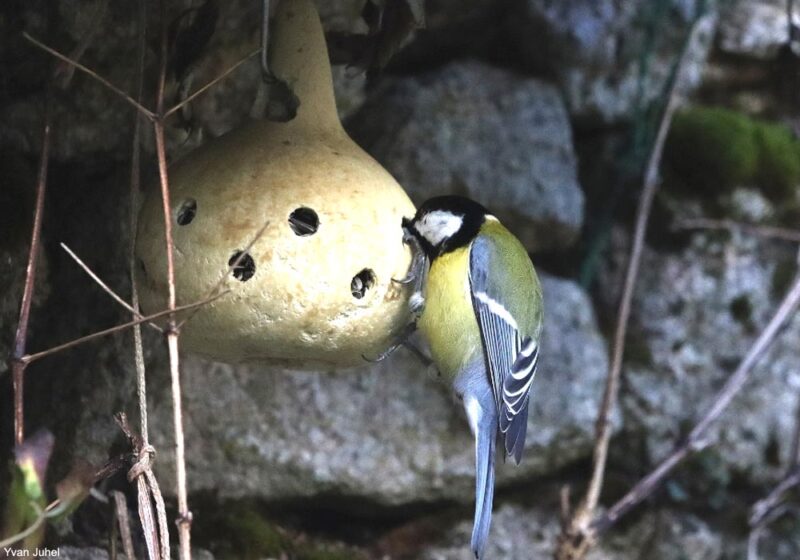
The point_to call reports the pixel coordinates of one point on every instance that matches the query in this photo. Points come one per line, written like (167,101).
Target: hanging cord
(155,528)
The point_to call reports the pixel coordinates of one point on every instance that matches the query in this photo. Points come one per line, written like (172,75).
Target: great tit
(480,310)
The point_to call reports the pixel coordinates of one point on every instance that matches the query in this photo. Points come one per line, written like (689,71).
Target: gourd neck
(298,55)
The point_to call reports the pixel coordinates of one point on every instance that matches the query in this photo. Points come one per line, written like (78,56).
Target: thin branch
(610,394)
(765,510)
(762,508)
(154,523)
(794,456)
(124,523)
(88,71)
(696,438)
(29,358)
(769,232)
(184,515)
(210,84)
(577,535)
(20,338)
(105,286)
(67,71)
(231,267)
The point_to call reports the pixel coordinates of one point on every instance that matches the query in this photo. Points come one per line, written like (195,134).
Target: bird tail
(485,438)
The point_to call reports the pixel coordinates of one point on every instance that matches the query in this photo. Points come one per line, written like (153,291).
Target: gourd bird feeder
(317,286)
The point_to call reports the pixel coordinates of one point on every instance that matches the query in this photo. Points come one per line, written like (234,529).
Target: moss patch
(240,530)
(713,150)
(779,160)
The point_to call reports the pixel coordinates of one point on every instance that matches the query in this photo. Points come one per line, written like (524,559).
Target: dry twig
(212,83)
(88,71)
(18,364)
(28,358)
(578,534)
(184,515)
(105,286)
(123,521)
(769,232)
(231,267)
(696,439)
(772,506)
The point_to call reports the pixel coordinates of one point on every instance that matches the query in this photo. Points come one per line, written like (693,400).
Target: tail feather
(485,437)
(515,436)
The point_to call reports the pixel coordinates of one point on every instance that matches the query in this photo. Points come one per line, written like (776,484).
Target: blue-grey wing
(510,360)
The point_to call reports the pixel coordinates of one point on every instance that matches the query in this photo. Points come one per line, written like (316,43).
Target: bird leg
(403,340)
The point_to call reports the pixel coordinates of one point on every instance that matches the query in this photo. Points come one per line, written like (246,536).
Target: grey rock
(594,49)
(695,314)
(389,433)
(521,533)
(472,129)
(753,28)
(92,119)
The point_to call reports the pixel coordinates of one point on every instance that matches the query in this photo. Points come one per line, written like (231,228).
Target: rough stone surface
(695,314)
(521,533)
(498,137)
(390,433)
(102,122)
(753,28)
(594,49)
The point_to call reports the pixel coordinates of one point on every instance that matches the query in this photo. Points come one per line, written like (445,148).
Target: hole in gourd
(243,266)
(362,282)
(187,212)
(304,221)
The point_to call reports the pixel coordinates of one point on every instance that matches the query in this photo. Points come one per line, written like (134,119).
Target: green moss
(240,531)
(779,160)
(248,535)
(712,149)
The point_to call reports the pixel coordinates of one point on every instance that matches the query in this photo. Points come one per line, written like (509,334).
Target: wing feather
(511,361)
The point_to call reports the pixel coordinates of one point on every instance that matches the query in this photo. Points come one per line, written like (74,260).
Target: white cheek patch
(438,226)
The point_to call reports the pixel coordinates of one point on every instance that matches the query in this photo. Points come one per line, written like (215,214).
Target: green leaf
(26,497)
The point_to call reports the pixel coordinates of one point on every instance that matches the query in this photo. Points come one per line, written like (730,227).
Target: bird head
(445,223)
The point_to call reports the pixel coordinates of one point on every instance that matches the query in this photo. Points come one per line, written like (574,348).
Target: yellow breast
(448,321)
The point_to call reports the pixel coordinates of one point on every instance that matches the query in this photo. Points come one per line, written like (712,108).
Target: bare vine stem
(578,533)
(29,358)
(94,75)
(212,83)
(184,520)
(158,118)
(696,439)
(768,232)
(18,364)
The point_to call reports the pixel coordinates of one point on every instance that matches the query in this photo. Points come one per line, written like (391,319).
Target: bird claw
(403,340)
(407,279)
(383,355)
